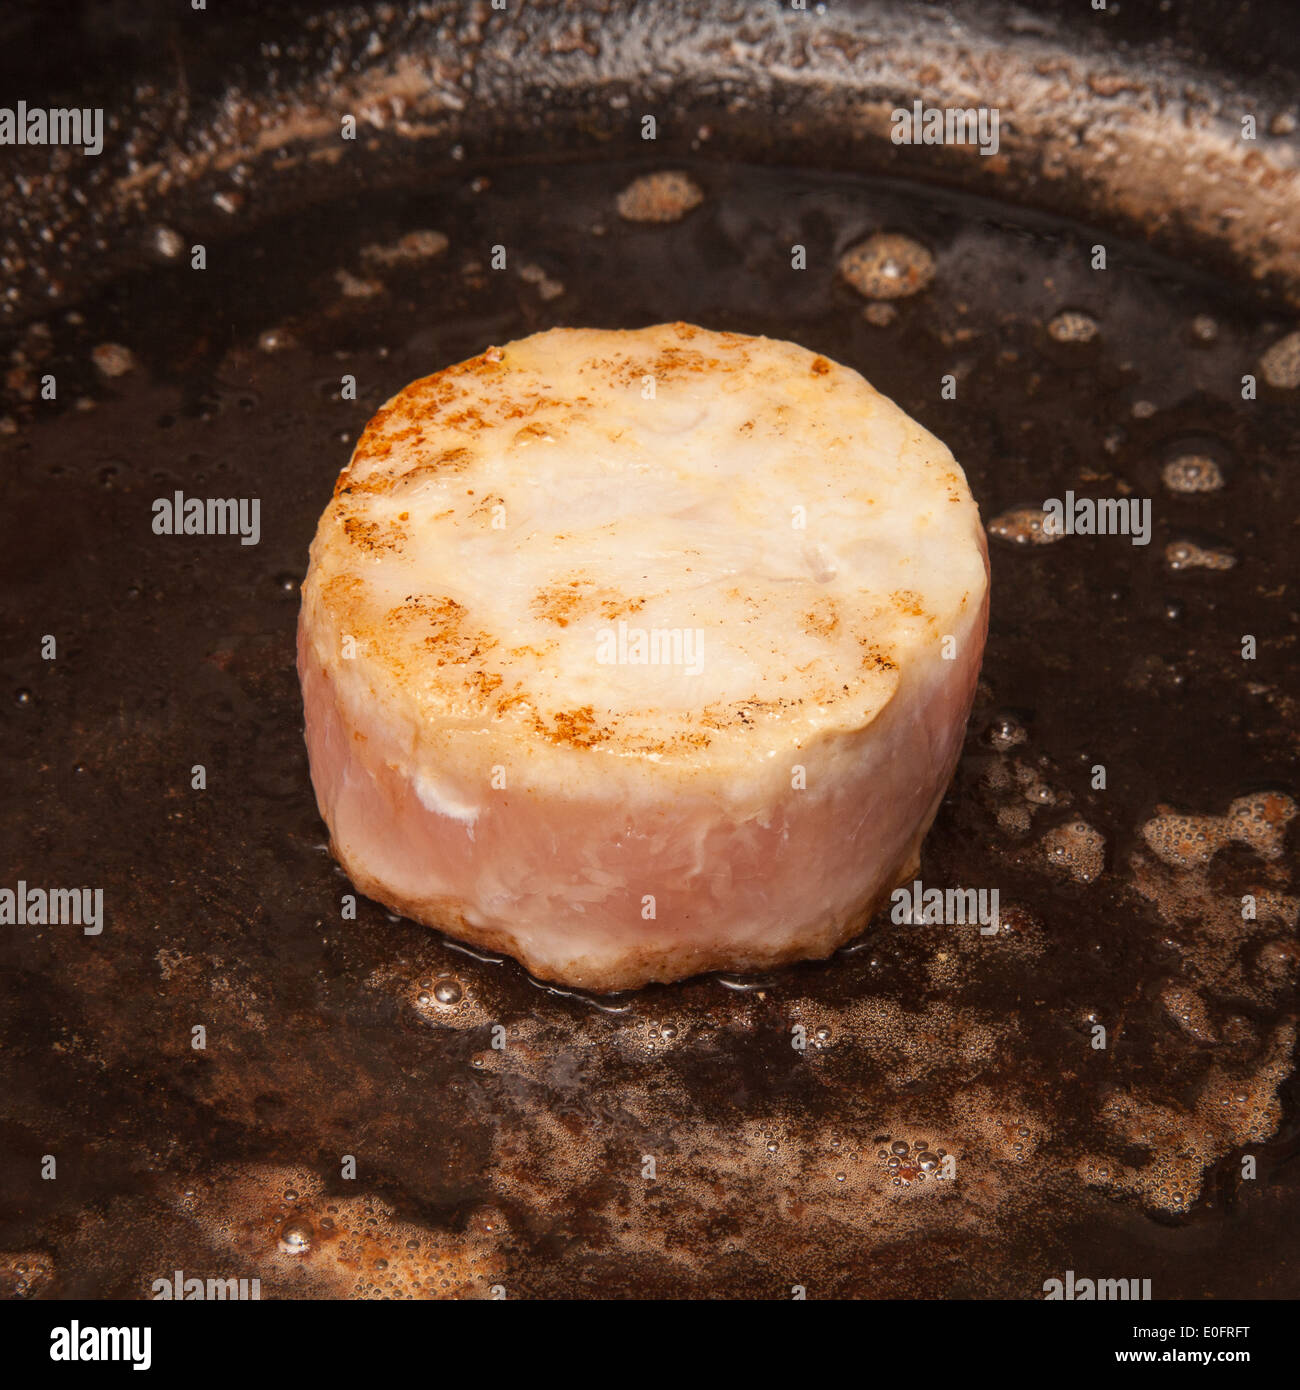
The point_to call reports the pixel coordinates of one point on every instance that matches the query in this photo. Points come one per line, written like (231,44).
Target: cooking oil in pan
(934,1111)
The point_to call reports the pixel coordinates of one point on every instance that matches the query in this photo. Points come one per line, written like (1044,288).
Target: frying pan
(375,1111)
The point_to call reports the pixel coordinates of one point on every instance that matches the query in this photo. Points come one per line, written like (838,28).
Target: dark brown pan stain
(524,1166)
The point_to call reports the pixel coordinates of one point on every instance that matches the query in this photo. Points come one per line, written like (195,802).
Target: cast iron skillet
(522,1169)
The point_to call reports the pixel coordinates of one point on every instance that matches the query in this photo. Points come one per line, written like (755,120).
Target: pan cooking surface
(526,1165)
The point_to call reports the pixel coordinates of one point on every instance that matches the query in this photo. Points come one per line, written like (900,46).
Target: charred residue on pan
(524,1165)
(1117,114)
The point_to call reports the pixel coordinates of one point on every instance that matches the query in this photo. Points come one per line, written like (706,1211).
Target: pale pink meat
(595,865)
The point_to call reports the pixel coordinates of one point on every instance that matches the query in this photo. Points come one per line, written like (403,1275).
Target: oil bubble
(888,265)
(1073,326)
(1280,365)
(1076,848)
(1186,555)
(1023,526)
(1188,473)
(448,992)
(663,197)
(1005,731)
(296,1237)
